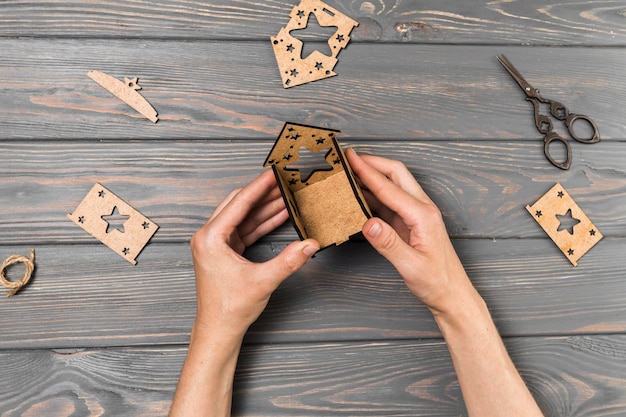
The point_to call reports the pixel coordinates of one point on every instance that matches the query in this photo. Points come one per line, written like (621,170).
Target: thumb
(389,244)
(290,259)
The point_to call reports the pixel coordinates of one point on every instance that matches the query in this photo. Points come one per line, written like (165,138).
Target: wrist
(463,309)
(216,332)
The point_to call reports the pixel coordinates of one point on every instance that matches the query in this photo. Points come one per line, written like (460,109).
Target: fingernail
(374,230)
(309,250)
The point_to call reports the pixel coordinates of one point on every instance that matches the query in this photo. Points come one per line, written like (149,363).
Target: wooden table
(93,335)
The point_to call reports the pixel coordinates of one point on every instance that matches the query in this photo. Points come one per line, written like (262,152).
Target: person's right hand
(231,290)
(410,232)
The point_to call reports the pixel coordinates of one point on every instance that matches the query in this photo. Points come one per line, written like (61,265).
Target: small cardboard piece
(558,203)
(100,203)
(125,91)
(328,205)
(296,69)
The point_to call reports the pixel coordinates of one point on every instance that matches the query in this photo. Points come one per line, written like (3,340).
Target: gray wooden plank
(481,187)
(231,90)
(574,376)
(568,22)
(577,376)
(86,295)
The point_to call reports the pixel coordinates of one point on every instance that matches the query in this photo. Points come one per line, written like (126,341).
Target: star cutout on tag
(566,224)
(114,222)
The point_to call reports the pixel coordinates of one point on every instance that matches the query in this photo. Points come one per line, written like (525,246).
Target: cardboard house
(325,202)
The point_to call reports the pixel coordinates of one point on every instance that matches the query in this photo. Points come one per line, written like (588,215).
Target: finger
(389,244)
(288,261)
(385,190)
(223,203)
(260,215)
(377,207)
(264,228)
(243,202)
(272,195)
(398,173)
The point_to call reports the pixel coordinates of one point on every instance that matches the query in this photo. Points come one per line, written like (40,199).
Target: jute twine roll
(29,264)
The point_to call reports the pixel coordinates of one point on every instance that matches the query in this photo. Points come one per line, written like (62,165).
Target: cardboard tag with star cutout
(114,222)
(566,224)
(296,69)
(324,201)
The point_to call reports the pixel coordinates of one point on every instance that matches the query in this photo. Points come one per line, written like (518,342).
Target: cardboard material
(97,207)
(556,207)
(328,204)
(125,91)
(296,69)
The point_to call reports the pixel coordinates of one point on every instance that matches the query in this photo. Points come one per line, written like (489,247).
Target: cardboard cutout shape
(325,203)
(566,224)
(96,215)
(296,69)
(127,92)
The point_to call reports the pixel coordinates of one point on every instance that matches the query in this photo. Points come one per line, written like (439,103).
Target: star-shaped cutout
(592,232)
(560,194)
(290,48)
(567,222)
(308,163)
(115,220)
(287,156)
(570,251)
(145,225)
(312,30)
(132,83)
(126,251)
(339,38)
(300,13)
(538,213)
(318,66)
(101,193)
(81,219)
(294,72)
(320,140)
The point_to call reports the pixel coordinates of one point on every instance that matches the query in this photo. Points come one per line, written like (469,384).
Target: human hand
(411,233)
(232,291)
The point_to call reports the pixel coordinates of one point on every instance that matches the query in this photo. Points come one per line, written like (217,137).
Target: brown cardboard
(91,215)
(329,205)
(296,69)
(558,203)
(127,92)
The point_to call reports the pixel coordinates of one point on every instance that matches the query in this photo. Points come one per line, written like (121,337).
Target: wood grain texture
(581,376)
(86,296)
(232,90)
(481,187)
(419,82)
(569,22)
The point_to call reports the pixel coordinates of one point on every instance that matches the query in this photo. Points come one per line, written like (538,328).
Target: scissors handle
(542,122)
(555,137)
(569,122)
(560,112)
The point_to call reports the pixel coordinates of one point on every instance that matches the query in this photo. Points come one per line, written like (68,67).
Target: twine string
(29,264)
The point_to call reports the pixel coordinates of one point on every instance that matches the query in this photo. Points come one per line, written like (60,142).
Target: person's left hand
(232,291)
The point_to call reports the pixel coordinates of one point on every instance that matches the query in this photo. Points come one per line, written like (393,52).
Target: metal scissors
(543,122)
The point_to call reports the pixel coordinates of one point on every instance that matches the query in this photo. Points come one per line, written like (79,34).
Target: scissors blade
(527,88)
